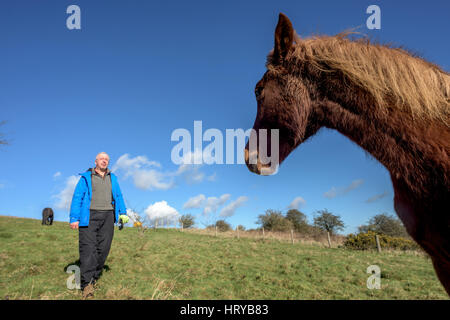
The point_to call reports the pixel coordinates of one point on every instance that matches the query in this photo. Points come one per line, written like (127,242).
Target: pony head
(306,78)
(284,103)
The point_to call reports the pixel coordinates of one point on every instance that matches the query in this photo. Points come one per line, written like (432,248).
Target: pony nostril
(254,168)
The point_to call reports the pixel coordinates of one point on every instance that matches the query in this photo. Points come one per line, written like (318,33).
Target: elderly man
(97,204)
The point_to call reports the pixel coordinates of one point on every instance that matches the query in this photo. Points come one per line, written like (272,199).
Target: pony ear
(284,37)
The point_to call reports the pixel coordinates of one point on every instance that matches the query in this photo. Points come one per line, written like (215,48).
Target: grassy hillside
(169,264)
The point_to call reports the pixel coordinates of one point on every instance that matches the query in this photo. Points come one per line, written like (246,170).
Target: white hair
(100,154)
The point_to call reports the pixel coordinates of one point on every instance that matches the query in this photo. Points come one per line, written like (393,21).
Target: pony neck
(405,153)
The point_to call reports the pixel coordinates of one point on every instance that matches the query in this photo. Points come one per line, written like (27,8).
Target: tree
(274,220)
(138,220)
(385,224)
(298,220)
(223,226)
(240,227)
(187,220)
(328,221)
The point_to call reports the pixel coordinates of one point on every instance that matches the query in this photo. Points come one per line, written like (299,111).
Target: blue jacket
(81,200)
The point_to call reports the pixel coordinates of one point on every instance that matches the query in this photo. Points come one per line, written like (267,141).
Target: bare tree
(223,226)
(187,220)
(138,219)
(328,221)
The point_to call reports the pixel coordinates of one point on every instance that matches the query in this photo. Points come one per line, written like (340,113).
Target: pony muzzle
(254,164)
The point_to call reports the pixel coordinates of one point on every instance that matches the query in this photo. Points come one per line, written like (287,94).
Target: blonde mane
(392,76)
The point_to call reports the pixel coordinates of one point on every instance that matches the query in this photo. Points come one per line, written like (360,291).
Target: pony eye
(258,91)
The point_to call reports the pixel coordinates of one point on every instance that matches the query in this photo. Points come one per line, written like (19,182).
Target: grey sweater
(101,191)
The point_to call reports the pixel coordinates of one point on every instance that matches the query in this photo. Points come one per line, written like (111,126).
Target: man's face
(102,161)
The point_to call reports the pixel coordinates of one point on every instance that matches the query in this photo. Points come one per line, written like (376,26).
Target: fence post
(237,229)
(292,236)
(378,243)
(329,240)
(182,227)
(216,230)
(263,233)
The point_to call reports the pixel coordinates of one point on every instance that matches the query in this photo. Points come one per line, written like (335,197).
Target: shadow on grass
(77,263)
(106,268)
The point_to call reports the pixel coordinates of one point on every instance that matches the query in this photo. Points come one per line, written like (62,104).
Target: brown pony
(393,104)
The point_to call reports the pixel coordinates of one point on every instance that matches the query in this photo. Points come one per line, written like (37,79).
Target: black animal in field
(47,216)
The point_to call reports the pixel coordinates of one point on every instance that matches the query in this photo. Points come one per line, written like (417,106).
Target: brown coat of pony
(393,104)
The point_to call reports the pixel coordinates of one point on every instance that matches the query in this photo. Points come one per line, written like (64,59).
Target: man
(97,204)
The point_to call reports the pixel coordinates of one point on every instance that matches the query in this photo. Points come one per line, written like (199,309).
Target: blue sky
(138,70)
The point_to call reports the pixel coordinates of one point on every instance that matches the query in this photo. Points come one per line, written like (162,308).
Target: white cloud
(334,192)
(229,210)
(192,174)
(377,197)
(151,179)
(210,205)
(190,170)
(161,210)
(355,184)
(129,164)
(64,198)
(195,158)
(143,177)
(297,203)
(147,178)
(213,203)
(134,216)
(56,175)
(195,202)
(331,194)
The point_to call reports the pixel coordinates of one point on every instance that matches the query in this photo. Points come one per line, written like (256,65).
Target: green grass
(169,264)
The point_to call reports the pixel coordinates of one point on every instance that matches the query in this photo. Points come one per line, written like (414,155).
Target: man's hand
(74,225)
(124,218)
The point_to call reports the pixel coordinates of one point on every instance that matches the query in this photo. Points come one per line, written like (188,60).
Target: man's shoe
(88,291)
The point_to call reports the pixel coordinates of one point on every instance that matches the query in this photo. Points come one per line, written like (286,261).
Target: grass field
(170,264)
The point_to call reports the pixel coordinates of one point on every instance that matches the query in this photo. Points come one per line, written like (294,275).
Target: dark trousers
(94,244)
